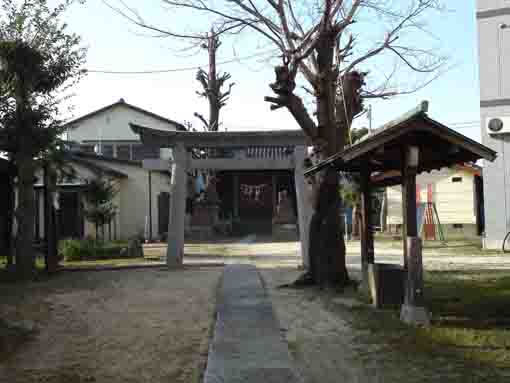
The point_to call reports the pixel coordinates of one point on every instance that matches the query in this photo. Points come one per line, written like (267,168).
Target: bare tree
(322,47)
(212,84)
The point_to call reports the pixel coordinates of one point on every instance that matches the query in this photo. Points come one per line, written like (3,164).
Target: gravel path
(113,326)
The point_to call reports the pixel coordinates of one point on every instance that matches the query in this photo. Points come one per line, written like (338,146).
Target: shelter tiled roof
(439,146)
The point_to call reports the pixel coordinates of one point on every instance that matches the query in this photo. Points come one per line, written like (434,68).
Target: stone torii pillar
(175,246)
(303,203)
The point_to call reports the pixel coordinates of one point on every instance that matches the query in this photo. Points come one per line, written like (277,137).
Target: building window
(457,179)
(141,152)
(124,152)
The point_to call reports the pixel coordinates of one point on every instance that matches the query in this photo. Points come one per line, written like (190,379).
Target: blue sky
(115,44)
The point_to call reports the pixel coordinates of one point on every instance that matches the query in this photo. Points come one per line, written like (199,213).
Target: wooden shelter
(411,144)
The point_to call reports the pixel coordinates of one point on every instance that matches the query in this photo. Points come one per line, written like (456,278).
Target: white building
(457,196)
(105,145)
(493,18)
(107,131)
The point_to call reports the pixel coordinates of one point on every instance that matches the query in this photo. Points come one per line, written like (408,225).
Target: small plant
(100,209)
(75,250)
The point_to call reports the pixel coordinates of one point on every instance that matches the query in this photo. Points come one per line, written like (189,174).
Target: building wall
(113,125)
(455,201)
(133,198)
(494,53)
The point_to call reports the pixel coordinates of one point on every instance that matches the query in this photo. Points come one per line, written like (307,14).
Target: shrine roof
(163,138)
(439,146)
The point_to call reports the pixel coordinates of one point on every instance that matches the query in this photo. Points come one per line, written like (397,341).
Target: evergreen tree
(39,61)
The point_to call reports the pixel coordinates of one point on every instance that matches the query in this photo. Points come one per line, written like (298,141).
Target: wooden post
(175,247)
(412,311)
(274,184)
(367,239)
(235,185)
(150,206)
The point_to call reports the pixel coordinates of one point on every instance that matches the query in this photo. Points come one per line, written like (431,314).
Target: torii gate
(267,143)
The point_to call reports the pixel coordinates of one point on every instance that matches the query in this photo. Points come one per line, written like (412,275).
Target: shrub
(89,249)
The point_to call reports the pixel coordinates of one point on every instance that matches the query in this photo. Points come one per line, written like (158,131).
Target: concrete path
(247,345)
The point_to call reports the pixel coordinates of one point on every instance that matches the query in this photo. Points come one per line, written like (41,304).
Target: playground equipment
(429,225)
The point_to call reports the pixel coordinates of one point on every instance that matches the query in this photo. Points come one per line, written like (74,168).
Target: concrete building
(493,17)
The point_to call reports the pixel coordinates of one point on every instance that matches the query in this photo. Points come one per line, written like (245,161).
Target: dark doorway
(256,202)
(70,221)
(163,214)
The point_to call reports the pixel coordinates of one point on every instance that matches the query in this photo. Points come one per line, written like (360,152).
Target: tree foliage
(39,60)
(100,208)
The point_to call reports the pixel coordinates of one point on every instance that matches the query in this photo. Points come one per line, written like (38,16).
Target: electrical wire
(170,70)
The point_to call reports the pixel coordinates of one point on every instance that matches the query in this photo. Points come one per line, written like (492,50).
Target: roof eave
(397,128)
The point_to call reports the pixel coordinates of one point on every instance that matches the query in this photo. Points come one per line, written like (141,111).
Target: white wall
(455,201)
(494,57)
(494,50)
(486,5)
(133,198)
(113,124)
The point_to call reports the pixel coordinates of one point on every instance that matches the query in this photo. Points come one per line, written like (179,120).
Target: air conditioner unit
(497,125)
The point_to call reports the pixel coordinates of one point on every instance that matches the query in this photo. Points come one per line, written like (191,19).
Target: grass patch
(469,340)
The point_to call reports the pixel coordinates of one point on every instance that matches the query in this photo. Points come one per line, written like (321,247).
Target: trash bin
(386,284)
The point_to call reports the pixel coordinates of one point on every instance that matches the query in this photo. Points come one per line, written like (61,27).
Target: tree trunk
(327,246)
(25,259)
(50,221)
(9,220)
(213,93)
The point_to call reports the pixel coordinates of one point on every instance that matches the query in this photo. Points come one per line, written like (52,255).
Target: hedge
(90,249)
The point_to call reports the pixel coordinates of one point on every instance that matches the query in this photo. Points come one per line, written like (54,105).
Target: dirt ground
(149,325)
(153,325)
(330,343)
